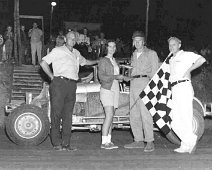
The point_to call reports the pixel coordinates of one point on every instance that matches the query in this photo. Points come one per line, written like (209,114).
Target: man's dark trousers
(62,98)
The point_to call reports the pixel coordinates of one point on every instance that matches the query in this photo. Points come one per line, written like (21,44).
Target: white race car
(29,124)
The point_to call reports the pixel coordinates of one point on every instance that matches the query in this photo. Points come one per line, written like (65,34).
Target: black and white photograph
(105,84)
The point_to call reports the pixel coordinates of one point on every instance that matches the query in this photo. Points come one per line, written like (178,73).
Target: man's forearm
(46,69)
(91,62)
(197,64)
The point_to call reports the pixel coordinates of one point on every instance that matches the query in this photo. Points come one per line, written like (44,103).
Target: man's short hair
(138,34)
(174,38)
(68,33)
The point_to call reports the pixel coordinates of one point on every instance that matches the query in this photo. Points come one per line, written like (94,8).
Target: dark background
(190,20)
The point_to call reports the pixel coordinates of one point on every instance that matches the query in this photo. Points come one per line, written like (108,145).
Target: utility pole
(17,36)
(53,4)
(15,29)
(147,20)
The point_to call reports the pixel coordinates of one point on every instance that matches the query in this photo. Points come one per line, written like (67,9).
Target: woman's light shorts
(109,97)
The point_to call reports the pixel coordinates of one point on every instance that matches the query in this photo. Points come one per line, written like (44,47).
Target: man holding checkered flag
(144,65)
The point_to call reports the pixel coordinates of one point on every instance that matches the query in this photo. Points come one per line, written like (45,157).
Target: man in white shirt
(181,65)
(65,62)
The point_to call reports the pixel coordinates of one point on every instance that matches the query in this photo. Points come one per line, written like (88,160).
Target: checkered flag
(157,97)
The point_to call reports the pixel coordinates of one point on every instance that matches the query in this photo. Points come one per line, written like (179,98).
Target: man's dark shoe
(58,148)
(69,148)
(149,147)
(135,145)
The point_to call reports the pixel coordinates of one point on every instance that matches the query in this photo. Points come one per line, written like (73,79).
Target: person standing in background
(95,46)
(8,36)
(120,48)
(102,45)
(60,41)
(84,43)
(36,42)
(50,45)
(24,44)
(75,30)
(61,35)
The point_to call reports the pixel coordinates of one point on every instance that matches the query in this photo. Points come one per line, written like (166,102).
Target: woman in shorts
(108,72)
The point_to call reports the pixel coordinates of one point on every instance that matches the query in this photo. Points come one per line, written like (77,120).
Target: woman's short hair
(109,41)
(107,44)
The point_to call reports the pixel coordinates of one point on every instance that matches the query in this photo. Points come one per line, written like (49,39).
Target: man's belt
(67,79)
(139,76)
(179,81)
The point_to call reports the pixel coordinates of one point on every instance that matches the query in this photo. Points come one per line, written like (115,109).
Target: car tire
(198,124)
(27,125)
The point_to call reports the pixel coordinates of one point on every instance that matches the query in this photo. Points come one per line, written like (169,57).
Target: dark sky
(184,16)
(175,8)
(34,7)
(39,7)
(43,7)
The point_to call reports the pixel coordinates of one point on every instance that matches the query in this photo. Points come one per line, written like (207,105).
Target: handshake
(122,78)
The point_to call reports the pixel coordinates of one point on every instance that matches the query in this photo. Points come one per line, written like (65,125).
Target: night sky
(190,19)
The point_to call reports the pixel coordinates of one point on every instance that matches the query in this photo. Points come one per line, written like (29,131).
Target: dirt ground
(89,156)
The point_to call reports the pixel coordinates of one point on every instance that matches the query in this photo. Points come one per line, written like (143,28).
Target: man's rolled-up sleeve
(49,58)
(82,60)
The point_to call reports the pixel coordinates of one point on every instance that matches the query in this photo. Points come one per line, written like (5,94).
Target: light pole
(53,4)
(147,20)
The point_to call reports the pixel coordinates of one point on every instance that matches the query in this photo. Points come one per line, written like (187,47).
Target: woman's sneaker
(113,146)
(109,146)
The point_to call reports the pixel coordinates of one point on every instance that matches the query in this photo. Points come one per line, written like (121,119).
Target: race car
(29,123)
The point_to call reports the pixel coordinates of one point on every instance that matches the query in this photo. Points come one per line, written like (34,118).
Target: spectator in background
(60,41)
(51,44)
(84,39)
(102,45)
(77,35)
(24,44)
(84,43)
(120,48)
(8,36)
(61,35)
(36,42)
(95,46)
(69,30)
(1,47)
(75,30)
